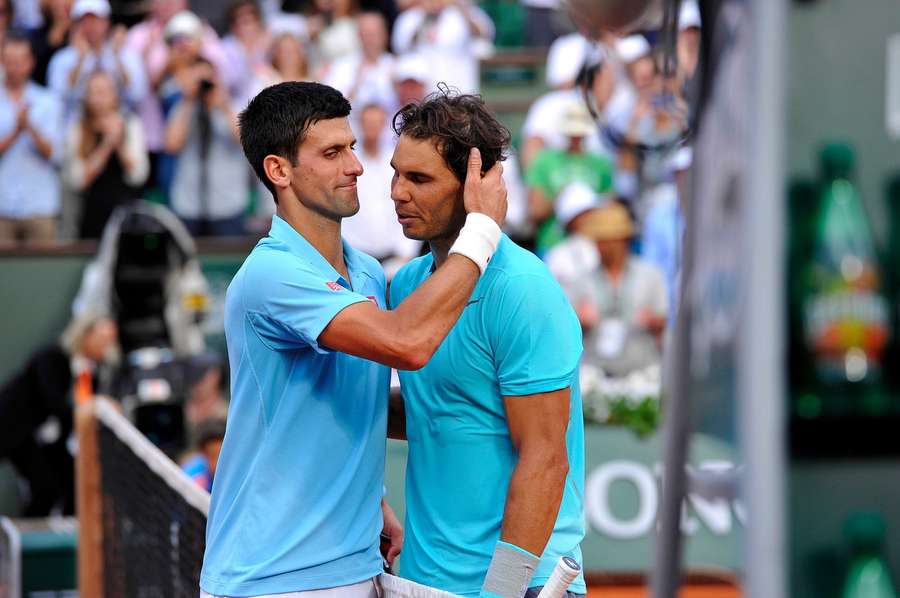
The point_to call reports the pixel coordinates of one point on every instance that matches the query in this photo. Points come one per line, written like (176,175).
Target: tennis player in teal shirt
(495,475)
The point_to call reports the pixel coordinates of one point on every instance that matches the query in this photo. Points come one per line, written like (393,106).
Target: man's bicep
(539,421)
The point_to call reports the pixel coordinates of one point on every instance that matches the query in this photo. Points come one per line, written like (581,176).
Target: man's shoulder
(410,275)
(515,266)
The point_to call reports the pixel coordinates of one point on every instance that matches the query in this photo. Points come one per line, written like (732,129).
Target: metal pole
(761,374)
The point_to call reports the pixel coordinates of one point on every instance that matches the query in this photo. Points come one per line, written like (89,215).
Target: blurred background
(126,206)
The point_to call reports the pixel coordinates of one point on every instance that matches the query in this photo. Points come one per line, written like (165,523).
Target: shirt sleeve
(289,305)
(536,337)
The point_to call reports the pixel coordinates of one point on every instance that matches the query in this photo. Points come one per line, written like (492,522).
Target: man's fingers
(474,171)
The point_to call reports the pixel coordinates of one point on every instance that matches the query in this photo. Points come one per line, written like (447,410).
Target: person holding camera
(210,183)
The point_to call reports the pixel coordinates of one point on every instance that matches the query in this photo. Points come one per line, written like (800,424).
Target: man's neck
(370,147)
(322,233)
(15,90)
(440,248)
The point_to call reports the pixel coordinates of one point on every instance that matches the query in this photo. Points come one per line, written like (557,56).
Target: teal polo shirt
(517,336)
(297,492)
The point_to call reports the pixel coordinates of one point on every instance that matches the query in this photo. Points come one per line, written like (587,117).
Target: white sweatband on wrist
(478,239)
(510,571)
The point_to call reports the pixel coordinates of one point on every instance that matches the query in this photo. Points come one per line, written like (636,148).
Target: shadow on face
(427,195)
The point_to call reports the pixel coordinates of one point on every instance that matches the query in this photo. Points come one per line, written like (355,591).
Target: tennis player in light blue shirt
(297,497)
(495,473)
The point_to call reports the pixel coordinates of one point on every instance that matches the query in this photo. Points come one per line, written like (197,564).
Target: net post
(89,503)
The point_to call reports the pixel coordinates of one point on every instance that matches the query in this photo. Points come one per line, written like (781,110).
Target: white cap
(681,159)
(632,48)
(689,16)
(576,120)
(90,7)
(411,66)
(576,198)
(565,58)
(185,24)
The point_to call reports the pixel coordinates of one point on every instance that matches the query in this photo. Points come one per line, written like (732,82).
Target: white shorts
(363,589)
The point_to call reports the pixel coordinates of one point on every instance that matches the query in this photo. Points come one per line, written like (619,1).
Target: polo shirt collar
(299,246)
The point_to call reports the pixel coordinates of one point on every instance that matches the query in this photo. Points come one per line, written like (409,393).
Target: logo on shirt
(372,299)
(334,286)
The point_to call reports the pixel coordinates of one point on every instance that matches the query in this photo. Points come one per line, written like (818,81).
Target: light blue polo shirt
(517,336)
(297,492)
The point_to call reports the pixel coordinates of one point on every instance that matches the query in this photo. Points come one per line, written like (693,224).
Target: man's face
(427,196)
(324,179)
(372,35)
(18,62)
(94,28)
(409,91)
(373,121)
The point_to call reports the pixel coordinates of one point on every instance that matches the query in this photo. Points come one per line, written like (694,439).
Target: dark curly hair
(456,122)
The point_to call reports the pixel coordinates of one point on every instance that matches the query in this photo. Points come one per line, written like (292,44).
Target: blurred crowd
(102,105)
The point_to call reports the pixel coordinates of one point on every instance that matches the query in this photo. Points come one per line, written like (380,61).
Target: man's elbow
(411,355)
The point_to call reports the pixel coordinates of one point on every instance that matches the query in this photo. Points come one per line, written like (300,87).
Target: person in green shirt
(553,169)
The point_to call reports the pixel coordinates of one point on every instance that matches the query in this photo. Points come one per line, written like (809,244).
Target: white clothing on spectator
(374,229)
(107,61)
(447,42)
(29,183)
(27,14)
(362,83)
(135,147)
(516,197)
(544,118)
(338,40)
(575,263)
(565,58)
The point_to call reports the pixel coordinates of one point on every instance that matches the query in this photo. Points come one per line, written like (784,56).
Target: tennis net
(142,520)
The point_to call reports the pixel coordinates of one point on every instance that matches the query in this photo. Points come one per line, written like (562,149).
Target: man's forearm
(533,500)
(428,314)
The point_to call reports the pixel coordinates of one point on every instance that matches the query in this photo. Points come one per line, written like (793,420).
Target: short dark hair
(277,119)
(456,122)
(17,36)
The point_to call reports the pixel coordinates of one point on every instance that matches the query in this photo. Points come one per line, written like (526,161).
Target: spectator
(7,12)
(653,118)
(200,465)
(452,35)
(159,40)
(36,410)
(288,61)
(664,224)
(334,30)
(27,15)
(30,143)
(620,299)
(93,48)
(211,182)
(553,169)
(365,76)
(411,80)
(246,47)
(106,158)
(51,36)
(375,229)
(545,21)
(565,60)
(688,40)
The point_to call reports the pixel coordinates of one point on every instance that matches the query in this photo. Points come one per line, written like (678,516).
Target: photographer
(209,188)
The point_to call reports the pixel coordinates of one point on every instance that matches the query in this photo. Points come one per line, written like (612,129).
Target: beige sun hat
(609,222)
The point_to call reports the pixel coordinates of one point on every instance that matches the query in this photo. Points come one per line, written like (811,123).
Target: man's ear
(278,170)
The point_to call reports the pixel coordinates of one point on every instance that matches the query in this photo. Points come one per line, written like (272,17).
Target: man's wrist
(510,571)
(478,239)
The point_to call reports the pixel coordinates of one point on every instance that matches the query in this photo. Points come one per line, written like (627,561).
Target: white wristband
(478,239)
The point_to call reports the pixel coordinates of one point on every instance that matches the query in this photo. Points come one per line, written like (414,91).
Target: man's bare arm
(408,336)
(537,427)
